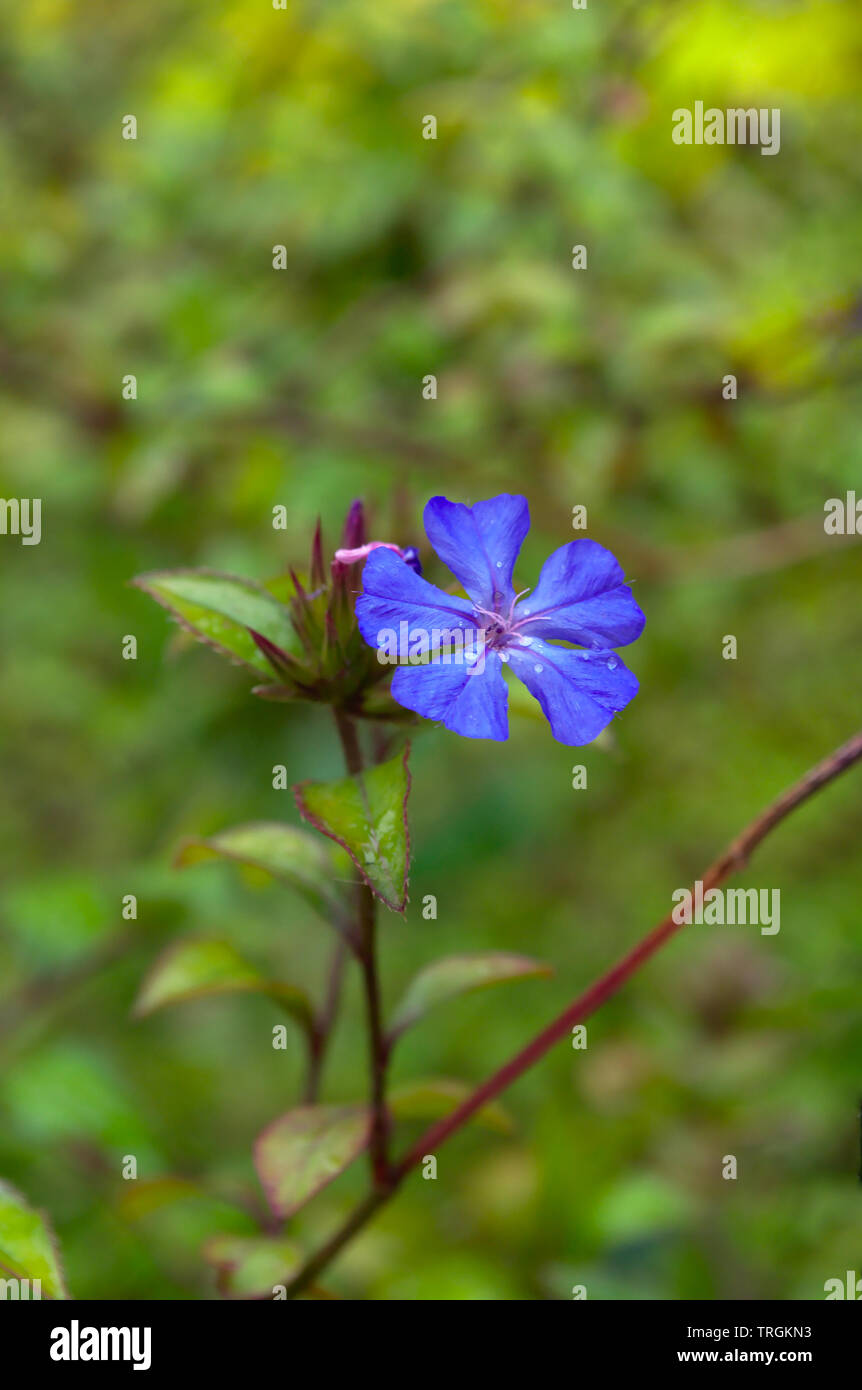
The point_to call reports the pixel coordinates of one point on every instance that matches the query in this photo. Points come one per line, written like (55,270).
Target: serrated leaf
(198,967)
(250,1266)
(301,1152)
(367,815)
(28,1249)
(439,1096)
(453,975)
(220,608)
(287,853)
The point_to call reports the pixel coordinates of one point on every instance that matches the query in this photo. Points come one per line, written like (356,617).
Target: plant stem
(323,1024)
(378,1050)
(366,912)
(731,861)
(359,1217)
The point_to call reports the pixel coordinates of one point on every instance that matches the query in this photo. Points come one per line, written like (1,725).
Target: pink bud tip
(361,552)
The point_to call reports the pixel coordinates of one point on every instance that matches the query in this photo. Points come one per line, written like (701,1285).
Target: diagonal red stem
(734,858)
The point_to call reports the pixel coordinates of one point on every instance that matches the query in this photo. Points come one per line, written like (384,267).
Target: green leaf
(439,1096)
(292,856)
(367,814)
(250,1266)
(197,967)
(301,1152)
(140,1198)
(27,1246)
(220,608)
(444,979)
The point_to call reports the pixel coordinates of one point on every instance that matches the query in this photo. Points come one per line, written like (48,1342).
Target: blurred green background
(405,257)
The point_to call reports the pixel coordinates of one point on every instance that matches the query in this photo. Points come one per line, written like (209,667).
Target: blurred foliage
(302,388)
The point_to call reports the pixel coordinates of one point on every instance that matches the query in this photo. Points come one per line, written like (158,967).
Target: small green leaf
(315,870)
(197,967)
(139,1199)
(301,1152)
(220,608)
(434,1098)
(367,814)
(444,979)
(27,1246)
(250,1266)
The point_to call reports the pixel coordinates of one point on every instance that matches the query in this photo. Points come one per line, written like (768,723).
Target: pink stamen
(512,605)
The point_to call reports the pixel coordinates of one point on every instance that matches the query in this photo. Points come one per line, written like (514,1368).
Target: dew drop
(613,664)
(584,655)
(504,656)
(499,564)
(526,641)
(537,669)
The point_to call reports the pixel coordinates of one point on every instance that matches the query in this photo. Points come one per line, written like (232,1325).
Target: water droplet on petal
(504,656)
(526,641)
(538,669)
(526,612)
(613,664)
(584,655)
(499,564)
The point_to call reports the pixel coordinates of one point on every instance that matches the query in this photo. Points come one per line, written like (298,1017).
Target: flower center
(500,629)
(494,626)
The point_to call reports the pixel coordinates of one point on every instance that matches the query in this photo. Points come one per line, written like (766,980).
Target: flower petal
(480,544)
(472,705)
(580,691)
(582,597)
(393,593)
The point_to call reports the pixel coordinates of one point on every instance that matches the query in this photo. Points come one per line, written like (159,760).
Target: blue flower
(581,597)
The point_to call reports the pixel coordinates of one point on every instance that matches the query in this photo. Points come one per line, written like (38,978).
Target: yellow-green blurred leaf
(438,1096)
(453,975)
(316,870)
(250,1266)
(197,967)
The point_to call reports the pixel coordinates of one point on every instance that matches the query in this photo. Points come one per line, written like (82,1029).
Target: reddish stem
(734,858)
(367,952)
